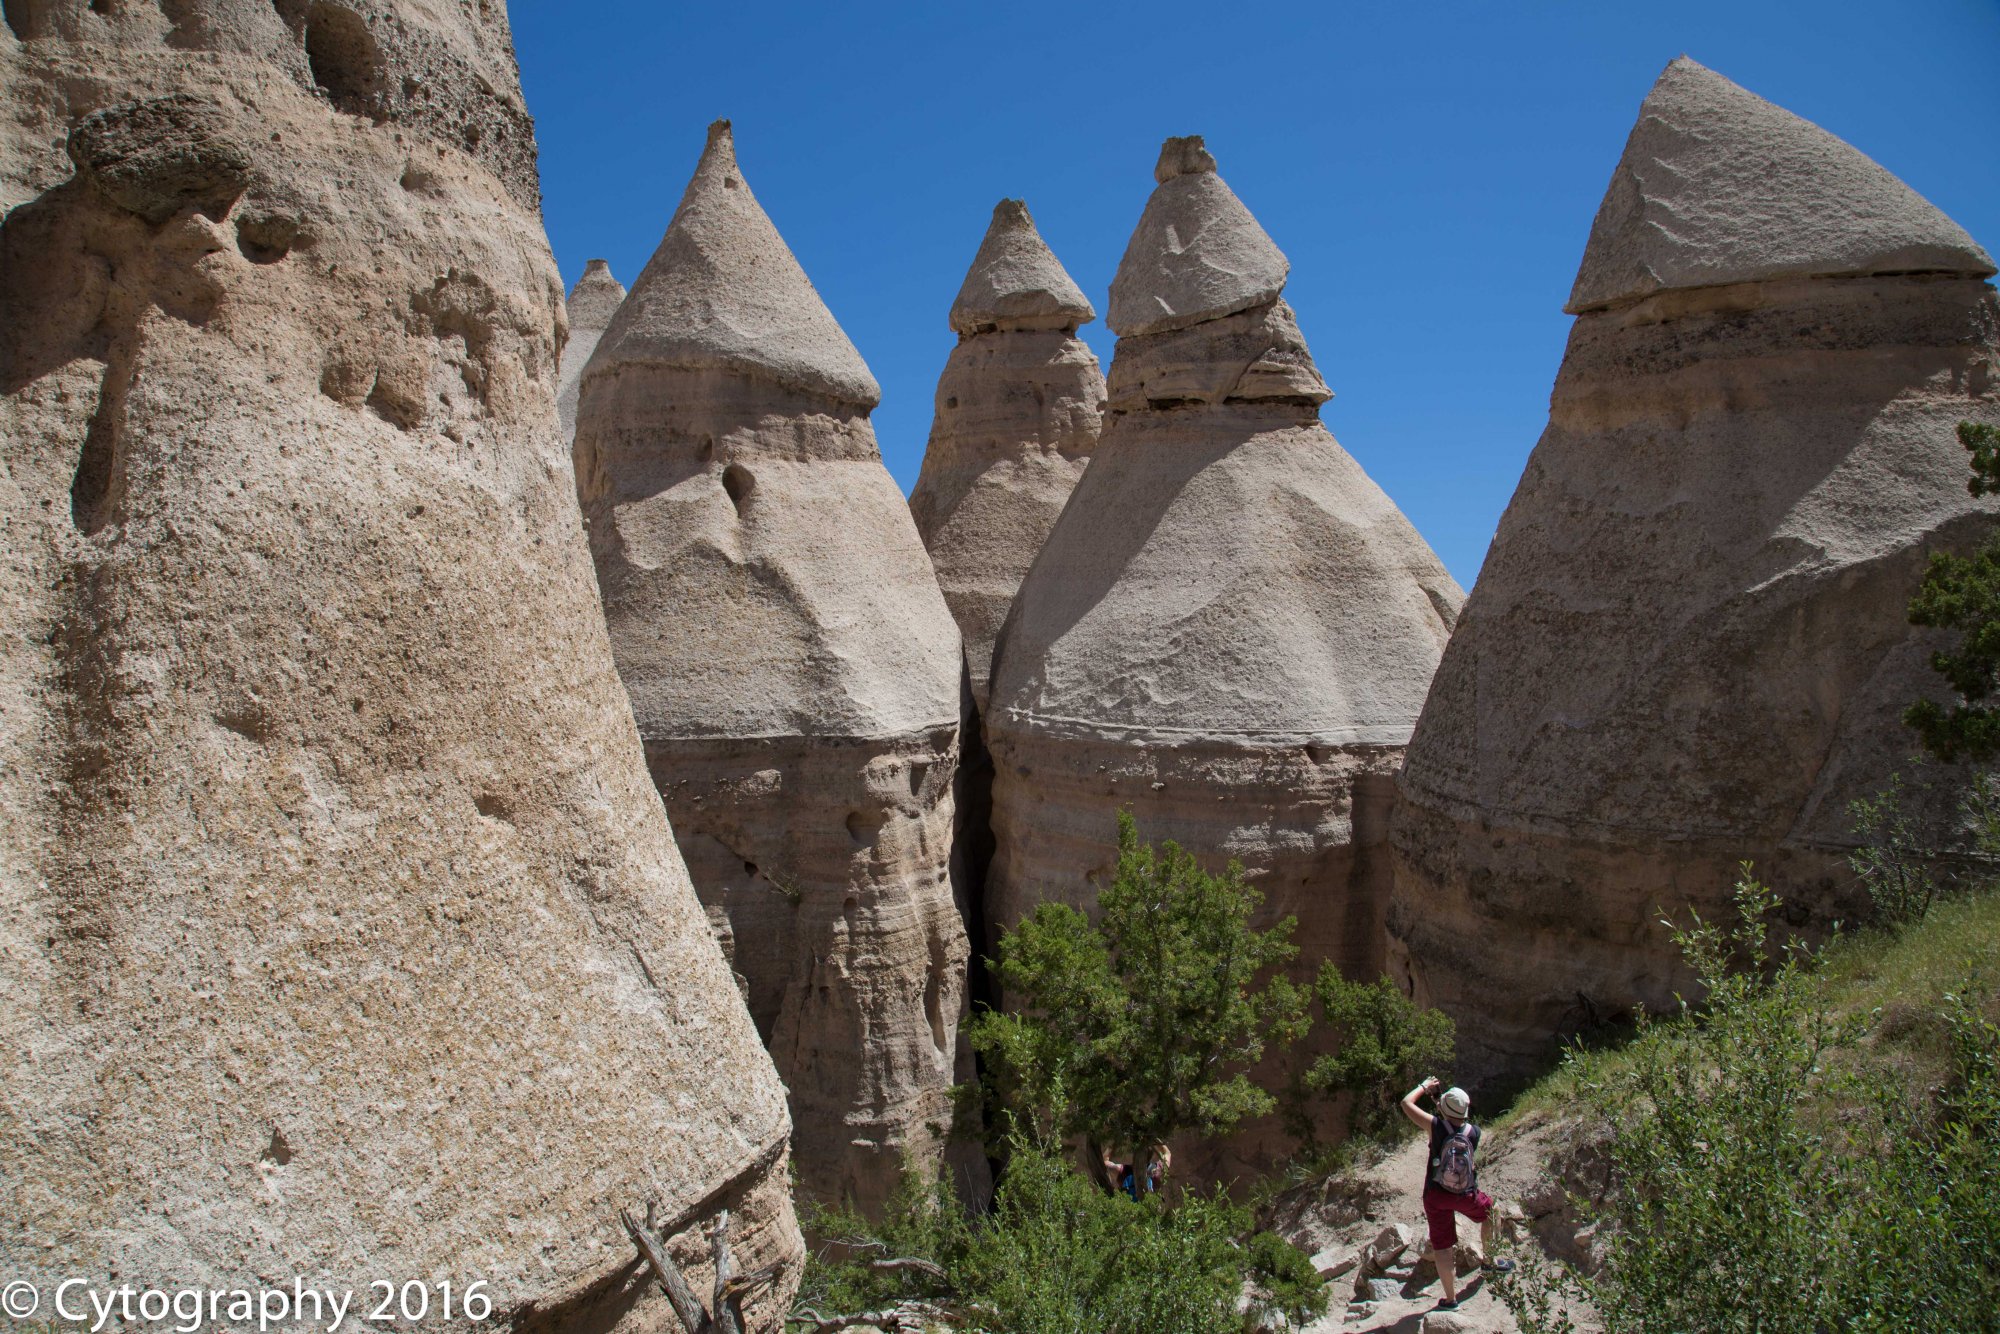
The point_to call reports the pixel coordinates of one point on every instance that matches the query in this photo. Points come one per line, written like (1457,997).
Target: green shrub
(1963,593)
(1775,1168)
(1057,1255)
(1141,1026)
(1386,1042)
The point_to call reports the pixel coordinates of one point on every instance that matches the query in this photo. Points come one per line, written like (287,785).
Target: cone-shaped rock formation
(342,933)
(1688,645)
(592,303)
(1018,410)
(793,667)
(1231,628)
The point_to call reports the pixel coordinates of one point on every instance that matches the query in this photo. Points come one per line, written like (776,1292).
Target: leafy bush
(1774,1170)
(1963,593)
(1909,857)
(1386,1041)
(1059,1256)
(1142,1026)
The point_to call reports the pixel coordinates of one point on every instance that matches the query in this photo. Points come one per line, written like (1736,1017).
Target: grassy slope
(1900,976)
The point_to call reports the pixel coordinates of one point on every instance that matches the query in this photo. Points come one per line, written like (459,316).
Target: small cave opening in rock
(345,62)
(19,15)
(738,483)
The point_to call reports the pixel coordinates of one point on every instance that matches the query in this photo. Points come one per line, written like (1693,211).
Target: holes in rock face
(493,806)
(344,59)
(738,484)
(266,238)
(850,903)
(749,868)
(15,14)
(860,828)
(917,773)
(707,451)
(951,402)
(104,7)
(278,1151)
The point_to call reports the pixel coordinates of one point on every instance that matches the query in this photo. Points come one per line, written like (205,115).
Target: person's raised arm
(1418,1117)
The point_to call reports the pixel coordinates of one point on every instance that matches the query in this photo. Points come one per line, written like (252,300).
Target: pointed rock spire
(1197,253)
(1016,282)
(1719,186)
(594,299)
(724,291)
(592,303)
(1019,407)
(1724,518)
(1230,628)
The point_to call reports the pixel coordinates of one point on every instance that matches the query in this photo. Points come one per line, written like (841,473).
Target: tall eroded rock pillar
(794,670)
(1231,628)
(1689,645)
(592,303)
(341,936)
(1019,407)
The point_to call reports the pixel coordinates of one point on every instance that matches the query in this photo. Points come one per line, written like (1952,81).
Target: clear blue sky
(1431,170)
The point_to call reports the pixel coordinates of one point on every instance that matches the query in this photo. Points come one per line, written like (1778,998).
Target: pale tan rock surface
(591,304)
(1230,629)
(341,935)
(1718,186)
(1688,645)
(794,670)
(1019,407)
(1196,255)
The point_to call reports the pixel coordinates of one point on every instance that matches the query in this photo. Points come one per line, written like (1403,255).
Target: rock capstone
(341,932)
(1197,253)
(1689,645)
(1718,186)
(794,671)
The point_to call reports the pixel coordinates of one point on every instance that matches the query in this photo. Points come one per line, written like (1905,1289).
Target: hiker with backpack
(1451,1183)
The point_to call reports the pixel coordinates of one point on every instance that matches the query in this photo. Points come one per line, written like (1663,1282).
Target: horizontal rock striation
(1689,646)
(1230,629)
(794,672)
(341,934)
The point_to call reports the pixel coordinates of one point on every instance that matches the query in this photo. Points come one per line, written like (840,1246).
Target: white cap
(1455,1103)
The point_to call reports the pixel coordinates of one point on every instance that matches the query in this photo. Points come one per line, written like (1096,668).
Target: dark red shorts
(1441,1210)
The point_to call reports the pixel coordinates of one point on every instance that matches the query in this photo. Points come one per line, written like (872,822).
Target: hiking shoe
(1444,1305)
(1498,1266)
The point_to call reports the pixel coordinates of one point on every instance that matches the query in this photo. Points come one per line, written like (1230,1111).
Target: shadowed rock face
(592,303)
(1018,410)
(340,931)
(1688,645)
(793,668)
(1230,629)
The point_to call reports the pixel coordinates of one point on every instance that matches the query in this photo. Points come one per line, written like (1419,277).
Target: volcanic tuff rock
(1018,410)
(341,927)
(794,670)
(1688,645)
(592,303)
(1230,628)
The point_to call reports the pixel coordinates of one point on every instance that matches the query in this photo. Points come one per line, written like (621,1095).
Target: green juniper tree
(1142,1026)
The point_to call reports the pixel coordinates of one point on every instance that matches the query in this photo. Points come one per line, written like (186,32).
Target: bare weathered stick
(903,1316)
(727,1308)
(686,1305)
(905,1262)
